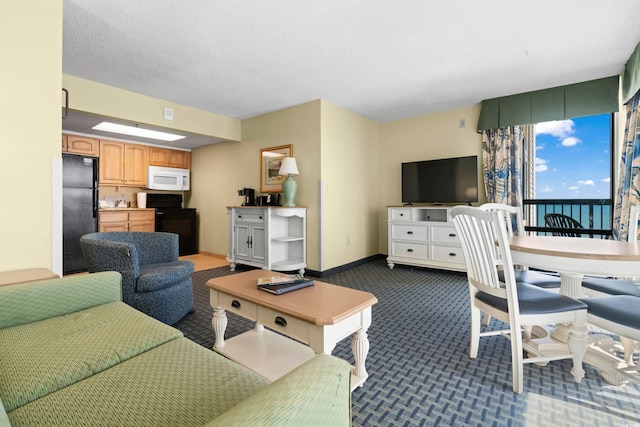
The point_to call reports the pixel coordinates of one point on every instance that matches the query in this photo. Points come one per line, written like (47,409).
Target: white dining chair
(515,227)
(618,314)
(604,287)
(485,243)
(601,287)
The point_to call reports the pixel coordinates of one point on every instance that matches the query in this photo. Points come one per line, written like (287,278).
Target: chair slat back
(513,217)
(485,244)
(564,224)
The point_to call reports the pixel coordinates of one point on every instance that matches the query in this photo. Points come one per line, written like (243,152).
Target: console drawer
(409,232)
(410,250)
(444,235)
(254,215)
(290,326)
(400,214)
(239,306)
(447,254)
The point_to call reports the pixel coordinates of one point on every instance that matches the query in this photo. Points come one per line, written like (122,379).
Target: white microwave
(173,179)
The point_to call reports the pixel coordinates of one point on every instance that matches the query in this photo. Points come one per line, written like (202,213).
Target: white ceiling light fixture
(136,131)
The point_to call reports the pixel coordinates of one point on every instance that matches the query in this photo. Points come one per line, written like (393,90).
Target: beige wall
(355,161)
(109,101)
(349,175)
(30,83)
(219,170)
(422,138)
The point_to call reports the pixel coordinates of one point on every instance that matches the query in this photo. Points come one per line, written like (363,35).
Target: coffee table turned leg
(219,323)
(360,349)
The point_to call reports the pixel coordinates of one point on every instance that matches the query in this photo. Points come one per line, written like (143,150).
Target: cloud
(570,141)
(541,165)
(561,129)
(545,190)
(588,182)
(573,188)
(605,179)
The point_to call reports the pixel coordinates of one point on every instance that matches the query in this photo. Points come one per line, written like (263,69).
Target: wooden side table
(13,277)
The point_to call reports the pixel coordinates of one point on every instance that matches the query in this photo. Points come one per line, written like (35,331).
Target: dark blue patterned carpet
(420,373)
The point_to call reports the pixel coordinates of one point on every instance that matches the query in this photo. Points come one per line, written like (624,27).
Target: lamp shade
(288,167)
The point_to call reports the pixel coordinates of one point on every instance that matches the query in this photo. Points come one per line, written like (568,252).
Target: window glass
(573,158)
(567,170)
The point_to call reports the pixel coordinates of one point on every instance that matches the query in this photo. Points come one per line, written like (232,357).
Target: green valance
(558,103)
(631,75)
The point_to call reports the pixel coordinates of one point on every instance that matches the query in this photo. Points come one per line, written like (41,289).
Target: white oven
(173,179)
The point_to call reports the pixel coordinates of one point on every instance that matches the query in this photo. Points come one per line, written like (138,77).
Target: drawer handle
(239,216)
(236,304)
(409,250)
(260,217)
(409,232)
(452,254)
(452,234)
(280,321)
(401,214)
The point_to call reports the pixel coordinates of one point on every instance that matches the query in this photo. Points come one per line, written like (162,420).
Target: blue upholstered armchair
(154,281)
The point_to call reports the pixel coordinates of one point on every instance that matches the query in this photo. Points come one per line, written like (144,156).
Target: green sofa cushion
(30,302)
(317,393)
(179,383)
(42,357)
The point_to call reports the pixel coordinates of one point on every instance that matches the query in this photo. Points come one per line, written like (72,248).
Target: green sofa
(72,353)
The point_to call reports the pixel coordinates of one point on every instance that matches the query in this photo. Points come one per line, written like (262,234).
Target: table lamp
(289,186)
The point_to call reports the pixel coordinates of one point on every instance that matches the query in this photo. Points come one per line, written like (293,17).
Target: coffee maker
(249,196)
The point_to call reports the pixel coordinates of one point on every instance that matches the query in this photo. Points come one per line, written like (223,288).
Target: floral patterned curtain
(628,193)
(502,164)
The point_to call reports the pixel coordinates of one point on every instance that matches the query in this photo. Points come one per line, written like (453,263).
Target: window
(568,167)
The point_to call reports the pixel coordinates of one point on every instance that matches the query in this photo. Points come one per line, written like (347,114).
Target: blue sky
(573,158)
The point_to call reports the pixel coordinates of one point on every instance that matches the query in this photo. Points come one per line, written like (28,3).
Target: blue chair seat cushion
(542,280)
(154,277)
(534,300)
(611,286)
(621,309)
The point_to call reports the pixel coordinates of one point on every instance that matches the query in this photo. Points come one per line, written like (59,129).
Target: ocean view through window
(571,174)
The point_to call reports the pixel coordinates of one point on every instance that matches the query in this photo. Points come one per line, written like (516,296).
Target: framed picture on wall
(270,161)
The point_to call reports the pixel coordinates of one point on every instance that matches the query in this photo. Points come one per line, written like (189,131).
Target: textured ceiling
(386,60)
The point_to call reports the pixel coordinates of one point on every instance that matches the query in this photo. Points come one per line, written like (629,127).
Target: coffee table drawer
(290,326)
(242,307)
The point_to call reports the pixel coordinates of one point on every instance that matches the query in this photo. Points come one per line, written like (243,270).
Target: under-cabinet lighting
(136,131)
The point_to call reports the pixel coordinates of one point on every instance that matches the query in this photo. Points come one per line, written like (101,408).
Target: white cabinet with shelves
(273,238)
(424,237)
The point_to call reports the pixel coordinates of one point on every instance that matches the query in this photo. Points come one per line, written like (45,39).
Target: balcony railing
(593,214)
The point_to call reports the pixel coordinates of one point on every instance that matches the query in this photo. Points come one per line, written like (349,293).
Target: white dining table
(572,258)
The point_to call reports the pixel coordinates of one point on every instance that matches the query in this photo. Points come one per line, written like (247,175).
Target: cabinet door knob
(409,232)
(452,234)
(280,321)
(452,254)
(239,216)
(236,304)
(260,217)
(409,250)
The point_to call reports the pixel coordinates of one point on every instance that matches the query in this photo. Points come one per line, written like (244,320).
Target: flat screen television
(453,180)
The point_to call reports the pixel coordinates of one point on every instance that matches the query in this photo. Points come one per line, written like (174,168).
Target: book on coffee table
(282,288)
(274,280)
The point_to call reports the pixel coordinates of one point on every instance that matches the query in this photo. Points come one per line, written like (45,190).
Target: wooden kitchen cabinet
(127,220)
(123,164)
(75,144)
(169,158)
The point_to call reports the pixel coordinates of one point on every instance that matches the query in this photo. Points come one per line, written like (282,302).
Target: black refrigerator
(79,207)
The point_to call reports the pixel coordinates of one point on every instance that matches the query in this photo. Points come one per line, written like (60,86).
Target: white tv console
(423,237)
